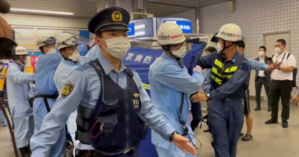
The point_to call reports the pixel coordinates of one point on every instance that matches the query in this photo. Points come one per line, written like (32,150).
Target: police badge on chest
(136,101)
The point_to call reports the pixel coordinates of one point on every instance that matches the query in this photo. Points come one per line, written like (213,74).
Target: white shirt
(261,73)
(286,61)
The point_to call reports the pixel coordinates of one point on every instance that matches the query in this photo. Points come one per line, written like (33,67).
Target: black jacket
(267,73)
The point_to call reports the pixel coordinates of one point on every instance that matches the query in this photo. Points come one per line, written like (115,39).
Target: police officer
(45,89)
(67,46)
(229,77)
(113,107)
(171,86)
(18,99)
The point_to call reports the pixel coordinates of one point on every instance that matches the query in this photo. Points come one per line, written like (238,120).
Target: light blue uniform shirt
(64,69)
(93,53)
(168,81)
(85,93)
(18,91)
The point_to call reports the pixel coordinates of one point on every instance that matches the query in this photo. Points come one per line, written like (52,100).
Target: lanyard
(282,57)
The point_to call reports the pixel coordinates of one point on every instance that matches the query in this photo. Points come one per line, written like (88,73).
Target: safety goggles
(70,41)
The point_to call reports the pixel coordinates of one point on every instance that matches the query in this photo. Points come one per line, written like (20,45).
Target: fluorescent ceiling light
(139,26)
(41,11)
(140,33)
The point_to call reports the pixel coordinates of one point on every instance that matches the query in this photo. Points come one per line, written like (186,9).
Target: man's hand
(274,66)
(183,144)
(199,97)
(197,68)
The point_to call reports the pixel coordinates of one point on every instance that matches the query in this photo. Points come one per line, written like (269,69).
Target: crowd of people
(95,106)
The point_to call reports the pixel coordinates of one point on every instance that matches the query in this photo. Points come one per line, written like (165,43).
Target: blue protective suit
(44,85)
(18,99)
(228,84)
(254,64)
(168,82)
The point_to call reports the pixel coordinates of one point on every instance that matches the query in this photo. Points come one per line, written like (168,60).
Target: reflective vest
(3,78)
(113,125)
(221,74)
(29,69)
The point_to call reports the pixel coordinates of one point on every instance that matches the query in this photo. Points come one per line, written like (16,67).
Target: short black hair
(211,49)
(99,34)
(282,41)
(263,47)
(240,43)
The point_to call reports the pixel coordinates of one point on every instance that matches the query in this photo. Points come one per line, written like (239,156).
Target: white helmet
(46,40)
(170,33)
(20,50)
(65,40)
(230,32)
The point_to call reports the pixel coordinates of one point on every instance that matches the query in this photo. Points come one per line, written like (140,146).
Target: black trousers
(196,113)
(281,89)
(246,102)
(258,88)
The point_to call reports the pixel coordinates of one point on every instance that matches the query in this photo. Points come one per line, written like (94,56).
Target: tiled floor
(6,147)
(268,140)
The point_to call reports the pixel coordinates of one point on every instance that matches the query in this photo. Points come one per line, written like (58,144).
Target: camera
(7,48)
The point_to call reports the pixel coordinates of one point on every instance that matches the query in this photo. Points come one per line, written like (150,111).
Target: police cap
(112,18)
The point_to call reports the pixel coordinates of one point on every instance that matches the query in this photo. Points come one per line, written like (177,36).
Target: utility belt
(281,80)
(93,153)
(235,97)
(45,97)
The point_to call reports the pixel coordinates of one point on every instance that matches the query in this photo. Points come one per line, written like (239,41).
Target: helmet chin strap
(67,59)
(167,48)
(177,58)
(225,47)
(22,62)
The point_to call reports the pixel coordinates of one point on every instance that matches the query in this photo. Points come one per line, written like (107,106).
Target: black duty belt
(281,80)
(93,153)
(45,97)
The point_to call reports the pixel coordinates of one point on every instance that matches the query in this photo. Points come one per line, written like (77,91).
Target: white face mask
(118,47)
(180,53)
(219,47)
(277,50)
(75,56)
(51,51)
(260,53)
